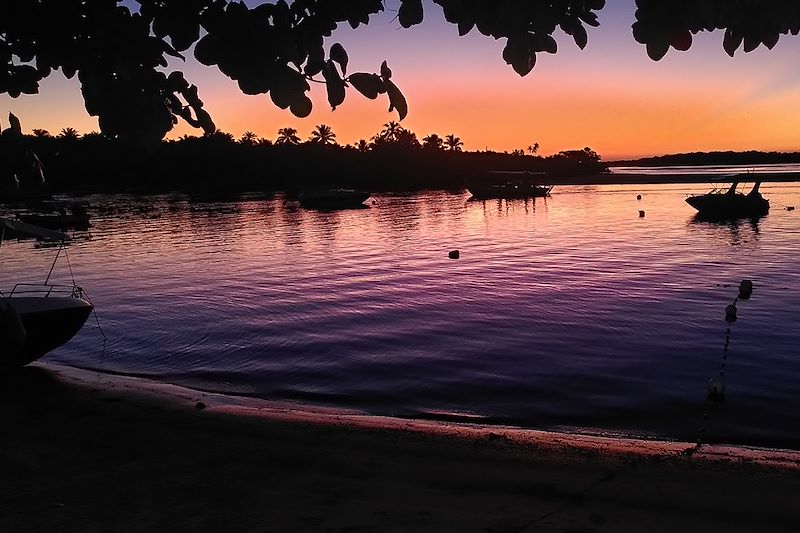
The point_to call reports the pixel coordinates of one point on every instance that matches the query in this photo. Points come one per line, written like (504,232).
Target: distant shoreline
(614,178)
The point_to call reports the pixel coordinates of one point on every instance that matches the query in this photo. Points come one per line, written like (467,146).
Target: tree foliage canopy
(120,54)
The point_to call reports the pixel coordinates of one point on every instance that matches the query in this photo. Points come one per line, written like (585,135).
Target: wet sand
(89,452)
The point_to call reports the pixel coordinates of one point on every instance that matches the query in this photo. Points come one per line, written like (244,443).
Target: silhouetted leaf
(681,40)
(589,18)
(543,43)
(339,55)
(315,61)
(386,72)
(396,100)
(580,37)
(334,84)
(732,41)
(205,121)
(517,54)
(287,87)
(464,27)
(301,107)
(206,51)
(410,13)
(177,81)
(657,49)
(771,41)
(169,50)
(370,85)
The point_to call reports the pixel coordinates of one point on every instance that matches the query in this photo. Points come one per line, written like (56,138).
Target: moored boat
(729,203)
(509,185)
(38,318)
(333,198)
(58,215)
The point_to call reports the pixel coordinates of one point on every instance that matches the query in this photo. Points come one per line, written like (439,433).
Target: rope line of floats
(716,385)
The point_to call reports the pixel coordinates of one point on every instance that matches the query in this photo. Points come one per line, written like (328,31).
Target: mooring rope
(85,294)
(716,385)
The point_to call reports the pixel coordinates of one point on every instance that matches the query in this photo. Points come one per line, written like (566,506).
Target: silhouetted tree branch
(121,55)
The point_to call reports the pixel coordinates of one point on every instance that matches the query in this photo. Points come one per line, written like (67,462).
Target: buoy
(716,390)
(638,196)
(730,314)
(641,214)
(454,254)
(745,289)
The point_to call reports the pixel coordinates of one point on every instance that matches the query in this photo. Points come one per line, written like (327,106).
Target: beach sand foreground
(87,452)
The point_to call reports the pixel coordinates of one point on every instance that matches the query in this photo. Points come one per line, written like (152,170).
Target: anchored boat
(729,203)
(333,198)
(510,185)
(38,318)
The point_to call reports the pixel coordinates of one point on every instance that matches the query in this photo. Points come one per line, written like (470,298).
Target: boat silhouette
(730,203)
(38,318)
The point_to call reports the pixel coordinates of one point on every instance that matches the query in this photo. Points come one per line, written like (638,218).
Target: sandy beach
(90,452)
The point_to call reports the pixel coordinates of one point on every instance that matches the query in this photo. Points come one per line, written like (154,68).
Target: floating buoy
(641,214)
(790,208)
(454,254)
(638,196)
(730,314)
(745,289)
(716,390)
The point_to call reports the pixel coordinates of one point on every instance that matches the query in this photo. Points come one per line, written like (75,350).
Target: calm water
(566,312)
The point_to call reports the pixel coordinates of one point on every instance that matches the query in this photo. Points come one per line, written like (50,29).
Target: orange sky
(610,97)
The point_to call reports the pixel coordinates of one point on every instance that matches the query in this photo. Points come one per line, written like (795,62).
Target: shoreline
(88,452)
(178,396)
(622,179)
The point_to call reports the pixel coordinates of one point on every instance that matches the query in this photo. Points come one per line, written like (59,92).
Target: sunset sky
(610,96)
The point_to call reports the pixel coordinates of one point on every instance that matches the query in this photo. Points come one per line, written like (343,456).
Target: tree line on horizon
(392,133)
(392,159)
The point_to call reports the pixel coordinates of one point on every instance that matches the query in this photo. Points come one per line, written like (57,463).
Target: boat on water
(333,198)
(38,318)
(729,203)
(57,215)
(509,185)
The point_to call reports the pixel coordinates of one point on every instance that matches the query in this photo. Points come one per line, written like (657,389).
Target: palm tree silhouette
(407,138)
(533,148)
(262,141)
(433,142)
(68,133)
(391,131)
(362,145)
(453,143)
(249,138)
(41,133)
(287,136)
(323,134)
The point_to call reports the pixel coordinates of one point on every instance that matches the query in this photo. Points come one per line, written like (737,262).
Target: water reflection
(560,310)
(738,232)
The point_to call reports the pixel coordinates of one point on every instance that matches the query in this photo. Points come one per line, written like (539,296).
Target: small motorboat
(510,185)
(333,198)
(38,318)
(58,215)
(729,203)
(509,191)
